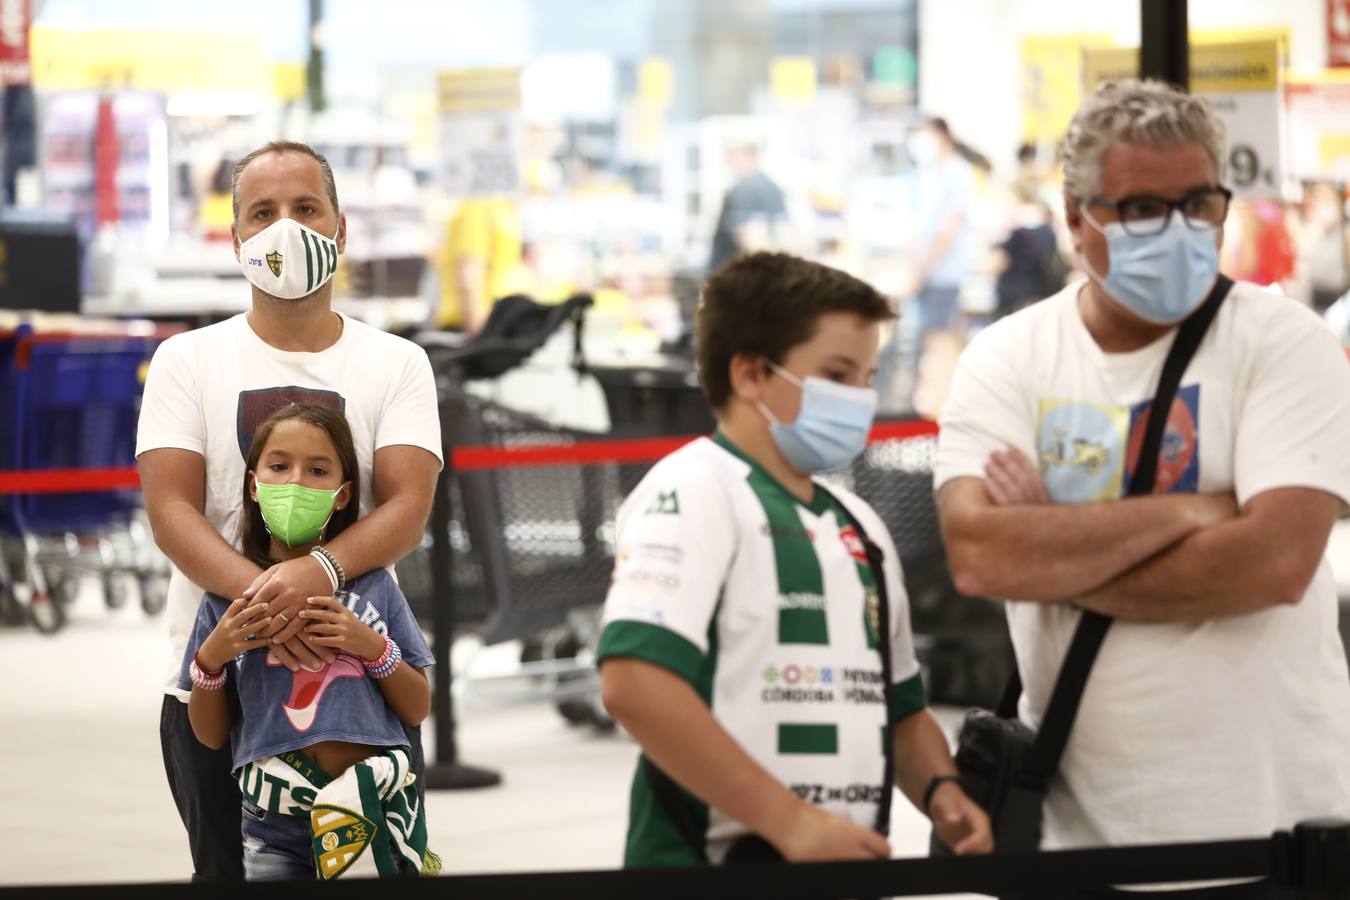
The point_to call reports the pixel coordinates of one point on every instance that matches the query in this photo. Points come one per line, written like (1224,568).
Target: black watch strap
(936,782)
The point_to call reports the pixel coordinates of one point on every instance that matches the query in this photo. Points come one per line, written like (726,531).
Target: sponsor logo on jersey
(801,600)
(666,581)
(874,610)
(667,503)
(853,544)
(817,794)
(862,686)
(638,607)
(796,674)
(795,683)
(780,532)
(663,553)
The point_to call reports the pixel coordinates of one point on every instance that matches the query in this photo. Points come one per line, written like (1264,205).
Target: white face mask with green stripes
(288,260)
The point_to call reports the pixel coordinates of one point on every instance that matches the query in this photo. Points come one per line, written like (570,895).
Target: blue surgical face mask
(831,428)
(1162,278)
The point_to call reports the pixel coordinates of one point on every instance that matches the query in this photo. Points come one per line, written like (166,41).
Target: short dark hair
(766,304)
(253,535)
(284,147)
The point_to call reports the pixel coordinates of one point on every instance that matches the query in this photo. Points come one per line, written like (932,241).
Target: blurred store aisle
(79,712)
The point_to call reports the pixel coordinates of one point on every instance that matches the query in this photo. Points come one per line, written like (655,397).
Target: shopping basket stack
(69,403)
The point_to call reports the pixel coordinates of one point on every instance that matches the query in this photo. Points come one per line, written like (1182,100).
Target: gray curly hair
(1149,113)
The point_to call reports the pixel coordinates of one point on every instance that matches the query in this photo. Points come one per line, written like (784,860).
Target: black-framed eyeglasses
(1143,215)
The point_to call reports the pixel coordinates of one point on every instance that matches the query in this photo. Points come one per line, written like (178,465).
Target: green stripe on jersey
(794,738)
(801,583)
(653,838)
(907,697)
(653,644)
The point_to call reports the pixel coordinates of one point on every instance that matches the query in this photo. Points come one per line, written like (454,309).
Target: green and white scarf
(363,822)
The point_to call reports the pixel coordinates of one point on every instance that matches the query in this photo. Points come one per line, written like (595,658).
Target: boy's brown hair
(766,304)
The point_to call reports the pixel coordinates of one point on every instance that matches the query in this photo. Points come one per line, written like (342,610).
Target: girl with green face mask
(302,741)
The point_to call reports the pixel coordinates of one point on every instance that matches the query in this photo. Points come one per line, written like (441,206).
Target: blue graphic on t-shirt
(1081,451)
(281,710)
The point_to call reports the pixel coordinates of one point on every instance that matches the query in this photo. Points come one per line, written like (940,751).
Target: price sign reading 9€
(1248,172)
(1240,81)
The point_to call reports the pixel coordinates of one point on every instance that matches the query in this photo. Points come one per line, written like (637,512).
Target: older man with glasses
(1219,703)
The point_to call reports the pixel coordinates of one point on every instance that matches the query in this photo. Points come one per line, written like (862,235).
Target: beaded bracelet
(388,661)
(207,681)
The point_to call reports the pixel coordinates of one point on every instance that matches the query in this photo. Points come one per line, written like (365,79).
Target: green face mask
(295,514)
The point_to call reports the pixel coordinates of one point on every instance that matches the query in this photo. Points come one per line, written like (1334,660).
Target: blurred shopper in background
(1258,246)
(754,211)
(945,244)
(1217,705)
(1030,267)
(740,645)
(1324,250)
(943,252)
(206,393)
(215,213)
(480,263)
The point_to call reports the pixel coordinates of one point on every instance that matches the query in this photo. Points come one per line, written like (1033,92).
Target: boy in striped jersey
(741,639)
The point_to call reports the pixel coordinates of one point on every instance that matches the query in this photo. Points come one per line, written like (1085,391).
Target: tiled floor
(79,717)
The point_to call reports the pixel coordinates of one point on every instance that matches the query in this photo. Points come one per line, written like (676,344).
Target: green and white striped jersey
(761,602)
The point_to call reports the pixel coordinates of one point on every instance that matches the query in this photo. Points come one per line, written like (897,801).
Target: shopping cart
(69,404)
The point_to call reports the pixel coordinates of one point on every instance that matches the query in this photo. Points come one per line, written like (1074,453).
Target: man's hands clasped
(286,588)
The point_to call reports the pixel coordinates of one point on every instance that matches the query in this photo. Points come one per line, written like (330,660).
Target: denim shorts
(277,847)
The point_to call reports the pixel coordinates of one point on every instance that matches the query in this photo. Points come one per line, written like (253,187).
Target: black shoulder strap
(875,558)
(1087,640)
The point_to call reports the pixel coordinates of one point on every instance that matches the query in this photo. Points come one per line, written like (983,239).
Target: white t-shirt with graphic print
(1229,728)
(760,602)
(208,390)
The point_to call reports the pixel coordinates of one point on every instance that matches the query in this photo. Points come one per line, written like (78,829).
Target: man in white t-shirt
(206,393)
(1219,706)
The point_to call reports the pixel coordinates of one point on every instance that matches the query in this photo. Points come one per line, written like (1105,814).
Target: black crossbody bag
(1005,766)
(752,847)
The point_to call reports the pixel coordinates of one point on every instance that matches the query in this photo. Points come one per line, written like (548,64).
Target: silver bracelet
(327,568)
